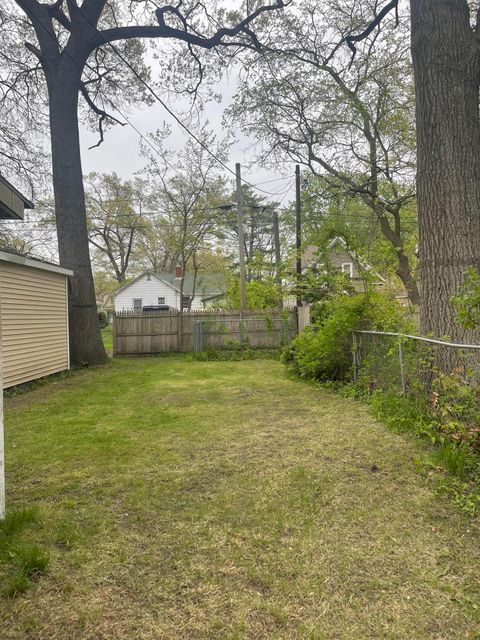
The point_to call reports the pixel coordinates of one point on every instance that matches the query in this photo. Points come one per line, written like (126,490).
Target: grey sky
(120,150)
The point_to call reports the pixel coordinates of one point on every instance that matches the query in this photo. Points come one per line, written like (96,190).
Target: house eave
(35,264)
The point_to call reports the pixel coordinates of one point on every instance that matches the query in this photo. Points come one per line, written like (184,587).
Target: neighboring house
(34,318)
(163,290)
(341,257)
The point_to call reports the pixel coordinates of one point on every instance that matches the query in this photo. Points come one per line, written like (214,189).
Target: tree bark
(86,345)
(446,66)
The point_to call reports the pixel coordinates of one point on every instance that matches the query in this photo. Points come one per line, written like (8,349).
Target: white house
(163,290)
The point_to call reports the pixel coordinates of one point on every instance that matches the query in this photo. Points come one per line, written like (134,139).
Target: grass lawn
(197,500)
(107,338)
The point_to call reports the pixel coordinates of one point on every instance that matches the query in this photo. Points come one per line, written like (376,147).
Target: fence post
(114,334)
(241,327)
(180,329)
(198,336)
(195,336)
(402,368)
(354,352)
(284,333)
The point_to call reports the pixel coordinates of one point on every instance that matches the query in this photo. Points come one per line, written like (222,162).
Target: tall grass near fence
(431,388)
(428,387)
(441,379)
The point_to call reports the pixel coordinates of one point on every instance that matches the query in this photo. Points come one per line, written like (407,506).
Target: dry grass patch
(184,500)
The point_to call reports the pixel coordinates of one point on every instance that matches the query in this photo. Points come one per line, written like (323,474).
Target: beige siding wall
(34,323)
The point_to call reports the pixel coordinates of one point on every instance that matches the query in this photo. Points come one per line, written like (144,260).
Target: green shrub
(324,350)
(103,319)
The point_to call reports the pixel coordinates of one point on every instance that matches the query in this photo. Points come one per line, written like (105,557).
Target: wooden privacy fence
(141,333)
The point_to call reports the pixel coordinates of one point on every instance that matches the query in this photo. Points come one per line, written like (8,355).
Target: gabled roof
(208,285)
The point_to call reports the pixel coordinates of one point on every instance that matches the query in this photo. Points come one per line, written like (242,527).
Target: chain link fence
(441,378)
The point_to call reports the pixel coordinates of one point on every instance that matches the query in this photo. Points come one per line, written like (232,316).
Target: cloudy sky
(120,150)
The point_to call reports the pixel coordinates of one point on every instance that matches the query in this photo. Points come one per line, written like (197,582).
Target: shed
(34,318)
(12,206)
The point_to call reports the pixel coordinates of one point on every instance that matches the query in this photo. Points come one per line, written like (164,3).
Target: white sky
(120,150)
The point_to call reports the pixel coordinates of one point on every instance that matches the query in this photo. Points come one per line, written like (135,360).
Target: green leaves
(467,303)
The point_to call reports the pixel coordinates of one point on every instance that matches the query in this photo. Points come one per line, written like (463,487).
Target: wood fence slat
(158,332)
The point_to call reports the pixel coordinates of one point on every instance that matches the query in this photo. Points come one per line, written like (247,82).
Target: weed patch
(456,466)
(20,559)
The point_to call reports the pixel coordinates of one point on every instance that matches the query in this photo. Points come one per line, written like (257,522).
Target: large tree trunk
(446,66)
(86,345)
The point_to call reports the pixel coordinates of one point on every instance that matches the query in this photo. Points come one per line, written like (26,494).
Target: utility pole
(241,240)
(276,237)
(298,231)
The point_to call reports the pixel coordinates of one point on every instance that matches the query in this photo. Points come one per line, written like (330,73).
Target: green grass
(20,560)
(107,337)
(196,500)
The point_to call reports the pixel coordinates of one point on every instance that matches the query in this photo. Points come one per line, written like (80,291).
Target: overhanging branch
(352,40)
(101,113)
(163,30)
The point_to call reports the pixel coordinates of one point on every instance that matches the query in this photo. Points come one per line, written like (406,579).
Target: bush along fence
(441,380)
(157,332)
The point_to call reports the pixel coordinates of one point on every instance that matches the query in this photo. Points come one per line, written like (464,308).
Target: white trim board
(34,264)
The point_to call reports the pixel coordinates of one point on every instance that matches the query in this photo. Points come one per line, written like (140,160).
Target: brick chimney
(178,272)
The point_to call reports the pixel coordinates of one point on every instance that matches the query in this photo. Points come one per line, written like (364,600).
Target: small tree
(189,195)
(114,209)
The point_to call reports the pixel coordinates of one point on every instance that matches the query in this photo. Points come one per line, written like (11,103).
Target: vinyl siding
(148,291)
(34,323)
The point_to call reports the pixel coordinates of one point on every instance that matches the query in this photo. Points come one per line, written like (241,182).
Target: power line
(165,106)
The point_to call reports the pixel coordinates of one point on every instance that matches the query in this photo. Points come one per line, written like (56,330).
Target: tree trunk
(446,67)
(405,275)
(86,345)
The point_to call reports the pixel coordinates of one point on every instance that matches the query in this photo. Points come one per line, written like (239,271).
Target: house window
(161,301)
(137,304)
(347,267)
(185,302)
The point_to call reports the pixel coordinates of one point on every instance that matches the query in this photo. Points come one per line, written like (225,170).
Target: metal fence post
(284,332)
(354,352)
(402,368)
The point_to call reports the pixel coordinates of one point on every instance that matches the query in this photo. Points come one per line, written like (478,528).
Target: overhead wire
(183,125)
(177,119)
(162,102)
